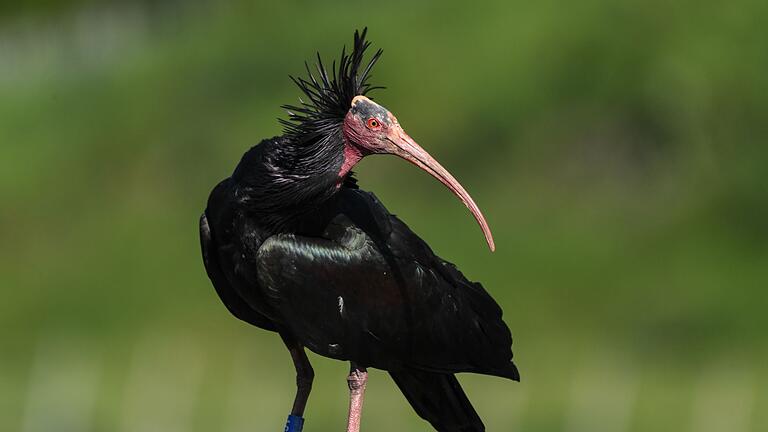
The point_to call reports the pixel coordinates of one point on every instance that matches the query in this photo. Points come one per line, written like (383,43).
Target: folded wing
(366,288)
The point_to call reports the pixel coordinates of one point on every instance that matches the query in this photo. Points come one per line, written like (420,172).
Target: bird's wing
(368,289)
(211,248)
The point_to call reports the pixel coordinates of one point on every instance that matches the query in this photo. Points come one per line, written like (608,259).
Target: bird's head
(337,103)
(374,130)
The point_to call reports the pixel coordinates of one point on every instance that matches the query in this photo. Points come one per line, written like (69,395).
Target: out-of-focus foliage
(617,149)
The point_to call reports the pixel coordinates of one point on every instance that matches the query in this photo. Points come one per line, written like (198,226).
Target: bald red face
(370,128)
(368,125)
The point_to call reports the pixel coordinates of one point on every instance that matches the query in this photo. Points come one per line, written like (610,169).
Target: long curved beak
(404,146)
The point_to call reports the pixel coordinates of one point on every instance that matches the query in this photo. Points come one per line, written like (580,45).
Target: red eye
(373,123)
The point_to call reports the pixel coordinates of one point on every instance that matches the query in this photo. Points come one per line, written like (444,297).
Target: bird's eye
(373,123)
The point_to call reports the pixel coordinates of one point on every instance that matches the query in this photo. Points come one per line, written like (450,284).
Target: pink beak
(404,146)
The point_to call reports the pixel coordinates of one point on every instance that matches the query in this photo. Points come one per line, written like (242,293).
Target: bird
(293,245)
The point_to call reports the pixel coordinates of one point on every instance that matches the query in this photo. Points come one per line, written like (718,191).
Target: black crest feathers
(330,94)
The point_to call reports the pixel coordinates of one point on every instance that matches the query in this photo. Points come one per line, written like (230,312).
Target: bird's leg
(356,380)
(304,377)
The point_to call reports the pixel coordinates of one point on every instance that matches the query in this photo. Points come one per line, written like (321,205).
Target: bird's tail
(439,399)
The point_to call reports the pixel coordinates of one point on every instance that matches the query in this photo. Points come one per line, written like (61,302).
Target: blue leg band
(294,424)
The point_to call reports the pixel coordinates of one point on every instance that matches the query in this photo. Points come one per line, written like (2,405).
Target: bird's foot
(357,380)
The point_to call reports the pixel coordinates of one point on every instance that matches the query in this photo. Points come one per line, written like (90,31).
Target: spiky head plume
(330,95)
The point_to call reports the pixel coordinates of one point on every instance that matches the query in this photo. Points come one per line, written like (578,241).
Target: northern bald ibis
(293,245)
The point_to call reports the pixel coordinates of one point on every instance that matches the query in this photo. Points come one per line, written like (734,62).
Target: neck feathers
(281,179)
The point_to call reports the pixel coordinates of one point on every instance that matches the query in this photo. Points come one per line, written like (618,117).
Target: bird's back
(378,295)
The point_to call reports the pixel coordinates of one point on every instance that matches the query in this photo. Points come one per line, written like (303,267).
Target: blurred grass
(616,149)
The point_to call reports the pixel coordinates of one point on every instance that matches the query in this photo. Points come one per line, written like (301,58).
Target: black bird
(292,245)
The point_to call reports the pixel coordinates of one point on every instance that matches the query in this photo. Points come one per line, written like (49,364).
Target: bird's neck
(282,179)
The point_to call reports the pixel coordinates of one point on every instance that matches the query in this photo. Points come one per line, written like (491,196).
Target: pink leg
(357,379)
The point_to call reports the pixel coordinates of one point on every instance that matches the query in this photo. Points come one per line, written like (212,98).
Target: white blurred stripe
(62,390)
(724,400)
(163,386)
(603,396)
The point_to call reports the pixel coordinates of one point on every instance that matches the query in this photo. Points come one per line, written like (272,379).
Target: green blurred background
(617,150)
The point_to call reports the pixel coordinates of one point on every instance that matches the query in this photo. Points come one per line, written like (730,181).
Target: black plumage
(292,245)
